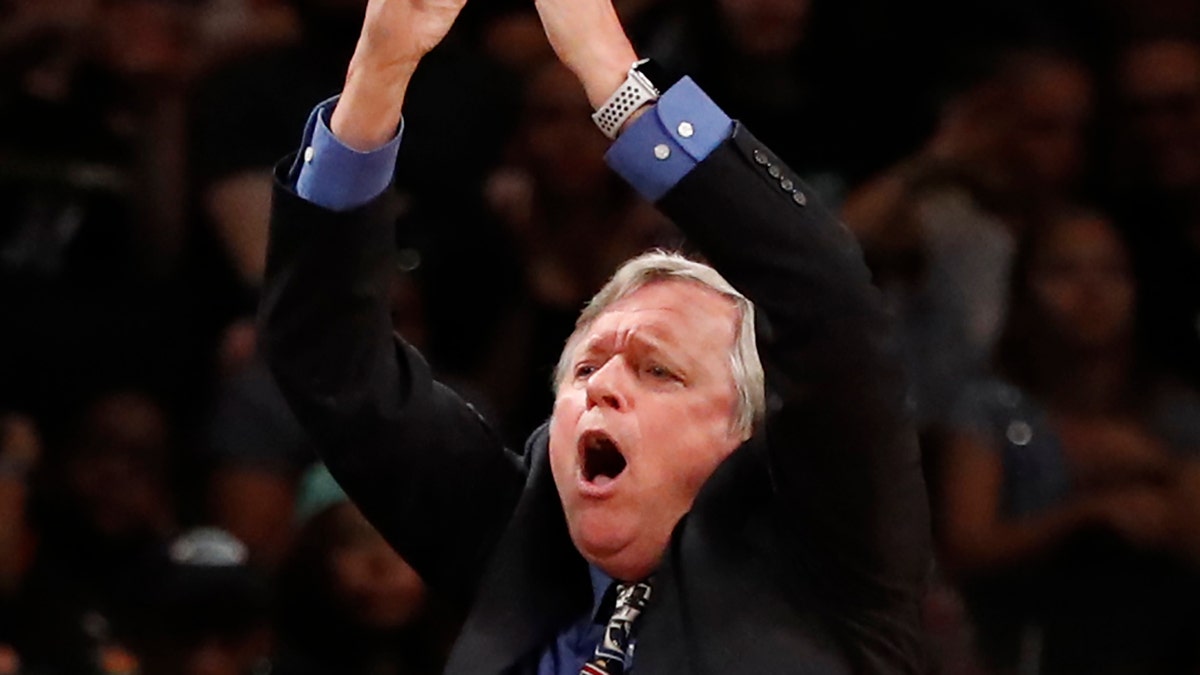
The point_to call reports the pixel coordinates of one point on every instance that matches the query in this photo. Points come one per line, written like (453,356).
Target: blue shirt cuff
(336,177)
(663,145)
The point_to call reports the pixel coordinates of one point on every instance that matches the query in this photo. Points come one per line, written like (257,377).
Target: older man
(747,530)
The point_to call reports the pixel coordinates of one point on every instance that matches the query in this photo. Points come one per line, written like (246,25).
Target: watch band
(636,91)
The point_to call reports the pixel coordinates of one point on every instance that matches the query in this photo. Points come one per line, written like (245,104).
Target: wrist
(369,109)
(605,74)
(645,82)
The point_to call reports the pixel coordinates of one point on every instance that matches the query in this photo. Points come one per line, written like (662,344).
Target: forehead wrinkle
(663,341)
(654,332)
(610,325)
(616,338)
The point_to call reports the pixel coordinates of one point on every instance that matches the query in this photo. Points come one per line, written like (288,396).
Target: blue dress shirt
(653,154)
(577,642)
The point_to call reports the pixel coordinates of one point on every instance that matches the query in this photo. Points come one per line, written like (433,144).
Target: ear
(742,437)
(735,438)
(746,435)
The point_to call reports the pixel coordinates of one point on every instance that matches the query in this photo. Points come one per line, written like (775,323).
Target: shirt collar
(601,585)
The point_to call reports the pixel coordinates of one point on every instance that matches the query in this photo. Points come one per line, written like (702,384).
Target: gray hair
(657,266)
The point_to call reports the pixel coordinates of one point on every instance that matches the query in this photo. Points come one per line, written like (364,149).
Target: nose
(605,388)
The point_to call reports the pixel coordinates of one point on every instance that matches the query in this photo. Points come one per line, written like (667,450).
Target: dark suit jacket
(805,552)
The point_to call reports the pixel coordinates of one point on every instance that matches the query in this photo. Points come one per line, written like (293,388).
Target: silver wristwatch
(643,85)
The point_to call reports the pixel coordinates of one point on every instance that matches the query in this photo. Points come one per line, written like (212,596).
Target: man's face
(643,417)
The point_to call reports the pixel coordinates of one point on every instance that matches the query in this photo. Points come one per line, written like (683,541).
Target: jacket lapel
(535,585)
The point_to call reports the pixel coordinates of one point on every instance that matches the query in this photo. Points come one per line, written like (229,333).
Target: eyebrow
(643,339)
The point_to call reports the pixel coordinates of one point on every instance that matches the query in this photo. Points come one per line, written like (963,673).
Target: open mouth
(602,460)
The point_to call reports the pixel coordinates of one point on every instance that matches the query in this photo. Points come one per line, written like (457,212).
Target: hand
(396,35)
(588,38)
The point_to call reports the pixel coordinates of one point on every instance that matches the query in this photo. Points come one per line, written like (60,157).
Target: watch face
(658,76)
(646,83)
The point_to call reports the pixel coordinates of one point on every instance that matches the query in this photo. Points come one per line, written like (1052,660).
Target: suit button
(799,198)
(774,171)
(787,185)
(760,158)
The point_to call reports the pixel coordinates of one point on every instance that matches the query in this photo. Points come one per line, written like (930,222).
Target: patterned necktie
(613,651)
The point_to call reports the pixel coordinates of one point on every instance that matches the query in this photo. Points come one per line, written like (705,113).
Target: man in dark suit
(749,530)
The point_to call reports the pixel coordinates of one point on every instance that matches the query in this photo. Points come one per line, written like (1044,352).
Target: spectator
(244,119)
(1158,180)
(255,450)
(245,114)
(102,528)
(350,604)
(91,220)
(254,453)
(208,611)
(939,229)
(1070,481)
(90,107)
(787,67)
(758,56)
(240,119)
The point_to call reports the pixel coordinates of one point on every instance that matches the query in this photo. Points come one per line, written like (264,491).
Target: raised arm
(420,463)
(841,446)
(842,451)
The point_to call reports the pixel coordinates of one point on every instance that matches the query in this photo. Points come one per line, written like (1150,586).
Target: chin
(614,548)
(597,535)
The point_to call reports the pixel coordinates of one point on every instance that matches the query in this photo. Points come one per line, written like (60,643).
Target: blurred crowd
(1023,176)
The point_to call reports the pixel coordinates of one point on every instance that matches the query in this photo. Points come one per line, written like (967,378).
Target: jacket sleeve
(841,448)
(419,462)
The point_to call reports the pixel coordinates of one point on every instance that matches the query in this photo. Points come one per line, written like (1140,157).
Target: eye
(659,372)
(584,370)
